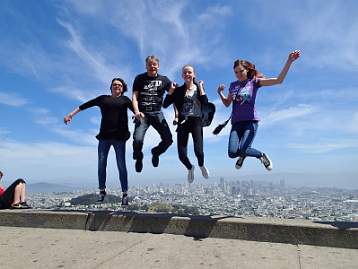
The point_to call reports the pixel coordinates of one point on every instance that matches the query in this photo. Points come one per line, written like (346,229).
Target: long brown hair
(250,68)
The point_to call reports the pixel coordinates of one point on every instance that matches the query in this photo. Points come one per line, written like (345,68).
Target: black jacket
(177,97)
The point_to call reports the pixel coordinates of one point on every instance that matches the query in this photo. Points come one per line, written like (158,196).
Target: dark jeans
(157,120)
(193,126)
(242,135)
(8,197)
(120,150)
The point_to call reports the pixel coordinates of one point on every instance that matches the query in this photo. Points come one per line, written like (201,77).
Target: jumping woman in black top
(188,100)
(113,132)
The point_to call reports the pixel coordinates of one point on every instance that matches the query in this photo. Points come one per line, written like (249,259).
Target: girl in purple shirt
(244,119)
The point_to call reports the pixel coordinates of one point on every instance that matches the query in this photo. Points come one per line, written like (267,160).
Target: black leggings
(193,126)
(8,197)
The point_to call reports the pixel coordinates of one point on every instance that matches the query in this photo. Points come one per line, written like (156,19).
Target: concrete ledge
(43,219)
(253,229)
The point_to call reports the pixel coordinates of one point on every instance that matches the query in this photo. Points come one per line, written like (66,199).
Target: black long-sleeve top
(177,98)
(114,122)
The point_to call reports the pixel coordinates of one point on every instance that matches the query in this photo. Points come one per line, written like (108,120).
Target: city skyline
(62,53)
(235,198)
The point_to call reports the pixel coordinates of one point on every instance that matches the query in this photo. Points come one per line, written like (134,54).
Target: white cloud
(301,110)
(80,137)
(12,99)
(175,36)
(43,116)
(73,92)
(328,45)
(46,161)
(4,131)
(354,123)
(95,62)
(95,120)
(325,33)
(213,12)
(319,147)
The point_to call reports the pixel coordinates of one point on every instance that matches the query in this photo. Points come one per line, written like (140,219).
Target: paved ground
(54,248)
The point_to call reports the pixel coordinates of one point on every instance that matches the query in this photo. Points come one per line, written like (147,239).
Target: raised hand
(221,89)
(172,87)
(294,55)
(201,87)
(67,119)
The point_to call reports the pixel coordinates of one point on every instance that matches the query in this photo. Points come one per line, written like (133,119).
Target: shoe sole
(268,168)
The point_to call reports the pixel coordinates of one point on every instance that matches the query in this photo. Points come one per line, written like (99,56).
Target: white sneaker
(204,171)
(266,162)
(239,162)
(191,175)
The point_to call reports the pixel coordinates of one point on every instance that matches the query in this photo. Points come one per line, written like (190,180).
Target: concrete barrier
(43,219)
(253,229)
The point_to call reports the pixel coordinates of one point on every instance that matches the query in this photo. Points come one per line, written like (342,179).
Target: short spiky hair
(152,57)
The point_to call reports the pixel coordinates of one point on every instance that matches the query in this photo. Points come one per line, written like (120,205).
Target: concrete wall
(252,229)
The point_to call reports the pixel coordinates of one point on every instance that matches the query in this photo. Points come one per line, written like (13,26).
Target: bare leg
(23,193)
(17,193)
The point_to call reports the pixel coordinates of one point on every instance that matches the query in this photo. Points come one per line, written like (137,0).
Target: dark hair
(152,57)
(1,174)
(250,68)
(125,88)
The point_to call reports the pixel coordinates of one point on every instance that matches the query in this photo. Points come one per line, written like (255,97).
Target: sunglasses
(117,84)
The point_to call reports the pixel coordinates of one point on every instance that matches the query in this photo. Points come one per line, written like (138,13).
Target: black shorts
(8,197)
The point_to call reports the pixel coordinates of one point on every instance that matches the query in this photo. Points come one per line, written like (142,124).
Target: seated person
(14,196)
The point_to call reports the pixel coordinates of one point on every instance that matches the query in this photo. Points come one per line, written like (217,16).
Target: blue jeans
(103,149)
(242,135)
(157,120)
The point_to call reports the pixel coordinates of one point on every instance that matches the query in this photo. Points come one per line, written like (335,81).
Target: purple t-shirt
(244,96)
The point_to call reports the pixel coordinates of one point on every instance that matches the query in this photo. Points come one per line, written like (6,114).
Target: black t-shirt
(151,91)
(114,122)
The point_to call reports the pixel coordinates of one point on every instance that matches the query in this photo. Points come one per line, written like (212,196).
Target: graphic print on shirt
(150,94)
(187,105)
(188,102)
(242,95)
(191,105)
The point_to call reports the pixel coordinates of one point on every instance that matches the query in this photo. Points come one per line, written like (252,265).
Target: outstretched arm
(281,77)
(226,100)
(67,119)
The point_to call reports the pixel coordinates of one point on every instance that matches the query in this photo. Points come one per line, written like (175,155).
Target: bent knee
(168,141)
(20,181)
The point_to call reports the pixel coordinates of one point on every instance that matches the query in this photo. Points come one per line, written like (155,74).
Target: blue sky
(54,55)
